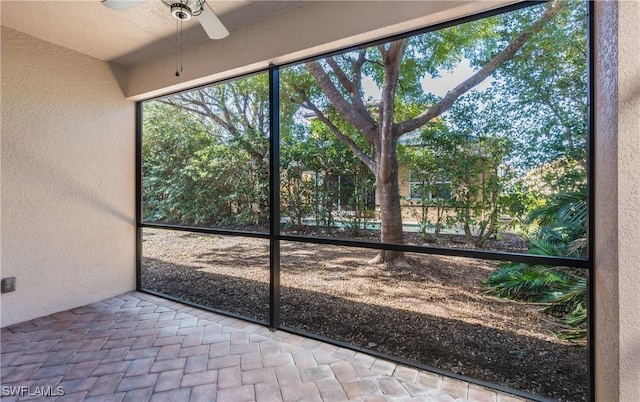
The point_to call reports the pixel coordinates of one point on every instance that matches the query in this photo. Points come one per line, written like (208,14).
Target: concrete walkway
(138,347)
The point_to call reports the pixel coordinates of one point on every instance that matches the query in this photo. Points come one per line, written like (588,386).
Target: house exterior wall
(412,211)
(412,207)
(67,178)
(617,201)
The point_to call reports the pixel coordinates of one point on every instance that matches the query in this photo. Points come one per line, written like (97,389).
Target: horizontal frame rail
(410,248)
(196,229)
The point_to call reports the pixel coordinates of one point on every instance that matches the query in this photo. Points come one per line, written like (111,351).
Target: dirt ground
(434,312)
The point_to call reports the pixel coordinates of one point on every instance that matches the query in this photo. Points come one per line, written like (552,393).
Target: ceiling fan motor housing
(181,11)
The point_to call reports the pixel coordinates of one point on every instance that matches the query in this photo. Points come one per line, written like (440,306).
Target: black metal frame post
(138,174)
(274,196)
(591,181)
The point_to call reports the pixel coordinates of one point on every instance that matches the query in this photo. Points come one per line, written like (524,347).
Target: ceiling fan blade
(121,4)
(211,23)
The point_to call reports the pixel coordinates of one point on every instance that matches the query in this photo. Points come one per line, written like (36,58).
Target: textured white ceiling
(125,37)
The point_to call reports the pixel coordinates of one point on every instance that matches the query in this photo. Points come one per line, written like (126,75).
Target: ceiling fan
(182,10)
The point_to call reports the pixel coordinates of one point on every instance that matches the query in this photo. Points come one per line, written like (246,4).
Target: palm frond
(572,301)
(534,283)
(543,247)
(578,247)
(563,222)
(569,205)
(564,217)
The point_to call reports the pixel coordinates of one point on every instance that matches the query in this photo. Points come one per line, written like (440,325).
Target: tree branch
(201,109)
(392,59)
(356,96)
(202,102)
(488,69)
(366,159)
(342,77)
(363,122)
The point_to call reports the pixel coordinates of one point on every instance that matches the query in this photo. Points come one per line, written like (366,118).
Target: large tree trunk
(388,192)
(387,157)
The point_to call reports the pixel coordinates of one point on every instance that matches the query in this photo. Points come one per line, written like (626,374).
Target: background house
(72,71)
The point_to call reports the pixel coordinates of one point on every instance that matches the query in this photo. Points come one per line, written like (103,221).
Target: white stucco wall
(67,177)
(617,253)
(629,199)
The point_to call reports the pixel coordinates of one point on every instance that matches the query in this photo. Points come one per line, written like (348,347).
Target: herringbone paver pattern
(138,347)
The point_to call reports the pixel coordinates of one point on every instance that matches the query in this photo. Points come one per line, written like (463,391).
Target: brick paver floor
(138,347)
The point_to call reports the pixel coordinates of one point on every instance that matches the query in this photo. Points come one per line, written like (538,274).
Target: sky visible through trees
(438,86)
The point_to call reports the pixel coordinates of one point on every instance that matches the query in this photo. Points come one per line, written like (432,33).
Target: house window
(422,188)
